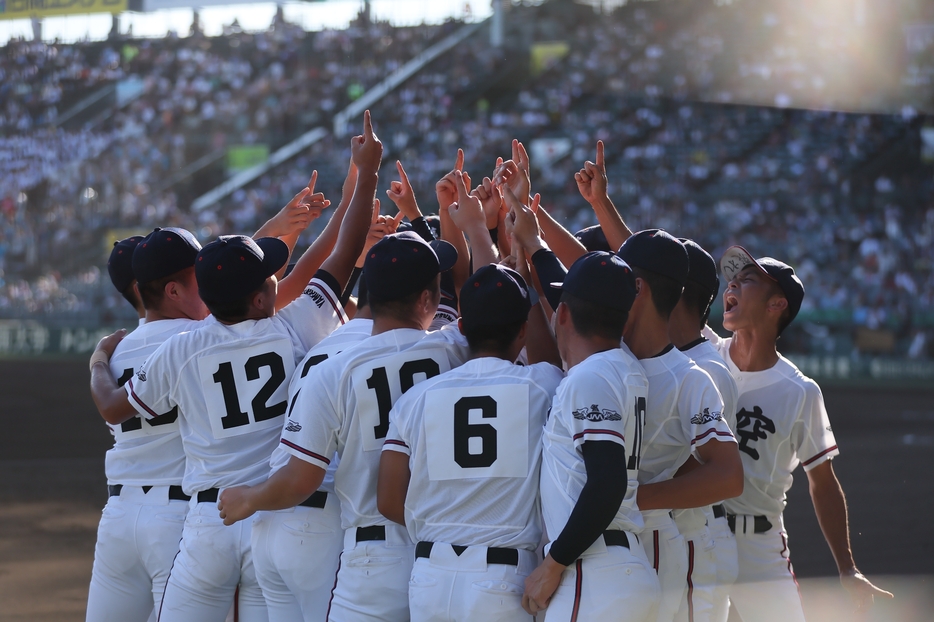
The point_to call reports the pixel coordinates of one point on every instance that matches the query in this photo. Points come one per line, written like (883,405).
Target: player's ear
(562,314)
(778,304)
(460,325)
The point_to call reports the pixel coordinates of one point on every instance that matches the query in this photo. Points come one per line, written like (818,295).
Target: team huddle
(474,416)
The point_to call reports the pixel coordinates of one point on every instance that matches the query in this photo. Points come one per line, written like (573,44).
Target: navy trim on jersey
(823,453)
(139,401)
(709,432)
(595,431)
(326,278)
(305,451)
(392,441)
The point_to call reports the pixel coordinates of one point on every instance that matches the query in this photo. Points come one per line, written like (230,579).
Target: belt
(374,532)
(761,524)
(175,492)
(494,555)
(719,511)
(208,496)
(616,538)
(318,499)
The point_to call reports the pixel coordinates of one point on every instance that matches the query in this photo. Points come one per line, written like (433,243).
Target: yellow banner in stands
(25,9)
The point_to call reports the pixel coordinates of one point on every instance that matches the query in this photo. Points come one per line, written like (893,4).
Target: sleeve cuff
(306,454)
(820,458)
(392,444)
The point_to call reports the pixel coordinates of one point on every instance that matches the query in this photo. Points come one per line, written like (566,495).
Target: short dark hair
(698,299)
(492,338)
(595,320)
(132,296)
(666,291)
(152,292)
(232,311)
(401,308)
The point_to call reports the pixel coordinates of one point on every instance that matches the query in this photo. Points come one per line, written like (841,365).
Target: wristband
(99,356)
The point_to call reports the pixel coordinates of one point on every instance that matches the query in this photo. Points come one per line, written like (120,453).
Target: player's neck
(753,350)
(682,331)
(383,324)
(646,334)
(579,348)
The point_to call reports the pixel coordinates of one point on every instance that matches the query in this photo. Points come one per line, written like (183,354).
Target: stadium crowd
(825,190)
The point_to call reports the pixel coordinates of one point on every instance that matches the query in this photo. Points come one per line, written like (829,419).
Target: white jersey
(602,398)
(474,437)
(781,421)
(146,452)
(344,407)
(706,356)
(685,411)
(230,384)
(345,337)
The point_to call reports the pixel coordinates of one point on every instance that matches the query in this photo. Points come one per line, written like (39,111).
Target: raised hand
(401,193)
(515,173)
(466,211)
(445,189)
(492,201)
(591,180)
(366,151)
(525,229)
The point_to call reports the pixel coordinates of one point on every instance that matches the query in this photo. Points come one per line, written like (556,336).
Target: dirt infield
(53,488)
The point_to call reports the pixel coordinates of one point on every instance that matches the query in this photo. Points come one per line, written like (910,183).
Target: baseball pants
(213,560)
(727,566)
(295,557)
(766,589)
(607,583)
(137,539)
(667,553)
(698,602)
(373,579)
(447,587)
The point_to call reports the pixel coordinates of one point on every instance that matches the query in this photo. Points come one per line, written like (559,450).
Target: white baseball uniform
(723,553)
(344,406)
(141,525)
(230,384)
(602,398)
(296,550)
(781,421)
(684,411)
(474,438)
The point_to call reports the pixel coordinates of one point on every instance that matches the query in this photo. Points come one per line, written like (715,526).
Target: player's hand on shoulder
(234,504)
(541,585)
(366,150)
(108,344)
(861,590)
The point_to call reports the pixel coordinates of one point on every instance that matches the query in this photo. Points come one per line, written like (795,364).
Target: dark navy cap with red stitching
(494,295)
(234,266)
(703,269)
(656,250)
(403,263)
(164,252)
(593,239)
(737,258)
(120,264)
(603,279)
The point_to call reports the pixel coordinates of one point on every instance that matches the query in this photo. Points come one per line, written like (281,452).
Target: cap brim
(447,254)
(735,260)
(275,254)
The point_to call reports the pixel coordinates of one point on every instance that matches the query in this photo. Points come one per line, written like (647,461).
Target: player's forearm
(481,245)
(393,485)
(540,344)
(614,228)
(719,478)
(453,235)
(110,399)
(354,228)
(281,491)
(560,240)
(830,508)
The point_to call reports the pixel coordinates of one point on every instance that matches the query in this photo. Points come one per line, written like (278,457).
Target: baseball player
(460,463)
(594,568)
(120,269)
(714,568)
(343,405)
(781,422)
(141,525)
(684,418)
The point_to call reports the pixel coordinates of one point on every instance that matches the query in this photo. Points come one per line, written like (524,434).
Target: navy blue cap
(494,295)
(703,270)
(657,251)
(163,253)
(593,239)
(120,263)
(736,258)
(403,263)
(601,278)
(234,266)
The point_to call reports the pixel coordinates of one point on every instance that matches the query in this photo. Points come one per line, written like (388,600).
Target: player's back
(474,438)
(345,404)
(146,452)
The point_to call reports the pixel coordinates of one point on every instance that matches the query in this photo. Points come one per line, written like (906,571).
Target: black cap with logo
(234,266)
(494,295)
(736,258)
(403,263)
(120,263)
(657,251)
(164,252)
(601,278)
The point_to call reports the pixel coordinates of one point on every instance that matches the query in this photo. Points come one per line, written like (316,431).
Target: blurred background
(801,130)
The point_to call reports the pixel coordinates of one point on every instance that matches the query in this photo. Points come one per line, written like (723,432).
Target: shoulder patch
(706,417)
(293,426)
(595,413)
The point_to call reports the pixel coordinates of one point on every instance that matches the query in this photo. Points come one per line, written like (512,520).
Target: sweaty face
(745,301)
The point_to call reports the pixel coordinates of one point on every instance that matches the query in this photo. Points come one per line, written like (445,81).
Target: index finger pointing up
(312,182)
(459,163)
(600,153)
(367,124)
